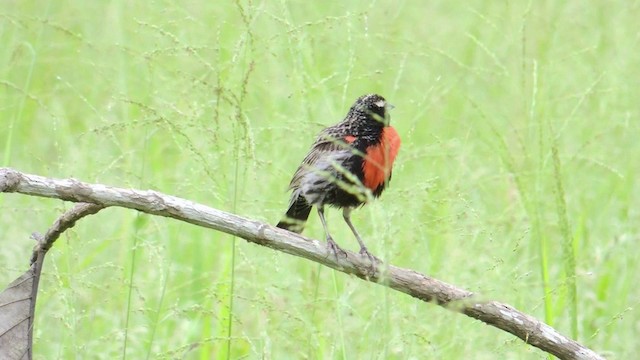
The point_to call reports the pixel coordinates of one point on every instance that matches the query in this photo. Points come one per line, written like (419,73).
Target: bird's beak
(387,116)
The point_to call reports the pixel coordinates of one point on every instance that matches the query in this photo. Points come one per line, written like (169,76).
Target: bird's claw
(335,249)
(374,260)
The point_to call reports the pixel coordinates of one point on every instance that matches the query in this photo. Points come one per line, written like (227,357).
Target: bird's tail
(296,216)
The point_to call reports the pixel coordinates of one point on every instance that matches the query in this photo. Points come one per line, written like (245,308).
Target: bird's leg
(331,245)
(363,249)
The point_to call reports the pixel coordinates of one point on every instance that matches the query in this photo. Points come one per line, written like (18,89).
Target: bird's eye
(380,103)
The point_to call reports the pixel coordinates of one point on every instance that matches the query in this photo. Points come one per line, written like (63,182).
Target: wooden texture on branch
(502,316)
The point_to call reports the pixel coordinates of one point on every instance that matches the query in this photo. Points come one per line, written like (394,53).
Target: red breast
(379,160)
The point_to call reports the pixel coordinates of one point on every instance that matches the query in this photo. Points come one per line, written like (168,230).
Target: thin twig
(44,243)
(62,224)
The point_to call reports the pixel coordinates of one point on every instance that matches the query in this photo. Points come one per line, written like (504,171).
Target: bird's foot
(335,249)
(374,260)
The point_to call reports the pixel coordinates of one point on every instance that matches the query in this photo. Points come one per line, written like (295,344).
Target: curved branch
(18,300)
(418,285)
(62,224)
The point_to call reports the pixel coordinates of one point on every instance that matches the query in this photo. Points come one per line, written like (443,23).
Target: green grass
(516,178)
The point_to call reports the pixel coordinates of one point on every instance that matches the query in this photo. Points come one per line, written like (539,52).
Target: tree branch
(420,286)
(64,222)
(18,300)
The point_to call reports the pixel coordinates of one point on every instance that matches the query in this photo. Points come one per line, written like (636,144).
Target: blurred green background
(516,178)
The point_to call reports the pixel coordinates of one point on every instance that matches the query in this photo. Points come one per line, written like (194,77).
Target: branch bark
(499,315)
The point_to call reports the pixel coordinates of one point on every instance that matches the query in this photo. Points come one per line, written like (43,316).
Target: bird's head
(373,107)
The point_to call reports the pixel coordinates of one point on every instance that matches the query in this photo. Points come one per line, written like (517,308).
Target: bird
(349,164)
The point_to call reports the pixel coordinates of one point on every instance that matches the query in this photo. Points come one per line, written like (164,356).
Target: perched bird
(348,164)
